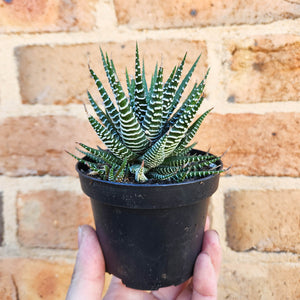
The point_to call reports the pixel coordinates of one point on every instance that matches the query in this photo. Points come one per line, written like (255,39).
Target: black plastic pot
(150,234)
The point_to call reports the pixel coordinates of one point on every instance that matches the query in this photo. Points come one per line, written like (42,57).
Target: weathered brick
(49,218)
(259,281)
(36,145)
(8,290)
(1,220)
(258,145)
(265,69)
(165,14)
(59,75)
(24,279)
(46,15)
(263,220)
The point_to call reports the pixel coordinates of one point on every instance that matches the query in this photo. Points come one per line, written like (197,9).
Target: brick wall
(253,49)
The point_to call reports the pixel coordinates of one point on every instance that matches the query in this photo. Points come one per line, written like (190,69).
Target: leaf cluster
(147,131)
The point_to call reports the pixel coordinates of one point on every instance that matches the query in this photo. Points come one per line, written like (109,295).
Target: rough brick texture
(28,279)
(36,145)
(259,281)
(258,145)
(46,15)
(1,220)
(49,218)
(270,64)
(263,220)
(165,14)
(59,75)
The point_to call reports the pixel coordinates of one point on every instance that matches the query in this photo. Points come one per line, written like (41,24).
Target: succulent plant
(148,132)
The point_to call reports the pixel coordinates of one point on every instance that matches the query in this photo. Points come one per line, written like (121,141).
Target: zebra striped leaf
(113,144)
(140,100)
(153,118)
(147,133)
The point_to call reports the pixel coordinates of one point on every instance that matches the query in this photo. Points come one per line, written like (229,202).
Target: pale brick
(165,14)
(49,218)
(258,145)
(30,279)
(259,281)
(59,75)
(36,145)
(46,15)
(1,220)
(265,69)
(263,220)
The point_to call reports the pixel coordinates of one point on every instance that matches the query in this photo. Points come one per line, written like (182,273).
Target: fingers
(89,272)
(205,279)
(171,292)
(207,268)
(207,223)
(211,245)
(117,290)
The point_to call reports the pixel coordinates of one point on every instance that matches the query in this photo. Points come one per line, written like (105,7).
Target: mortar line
(120,33)
(9,198)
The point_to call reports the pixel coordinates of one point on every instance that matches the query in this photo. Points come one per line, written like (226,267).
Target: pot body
(152,234)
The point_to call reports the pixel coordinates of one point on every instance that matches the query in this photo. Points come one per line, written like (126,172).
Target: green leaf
(131,132)
(145,82)
(153,118)
(140,174)
(195,174)
(156,154)
(170,89)
(182,86)
(139,91)
(161,177)
(179,129)
(130,87)
(111,175)
(177,161)
(103,117)
(183,151)
(113,144)
(109,106)
(153,81)
(191,132)
(92,166)
(120,173)
(103,155)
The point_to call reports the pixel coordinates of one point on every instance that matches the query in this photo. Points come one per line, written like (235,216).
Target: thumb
(89,272)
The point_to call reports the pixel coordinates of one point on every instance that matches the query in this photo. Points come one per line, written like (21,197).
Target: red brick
(8,290)
(165,14)
(265,69)
(59,75)
(30,279)
(258,145)
(263,220)
(276,281)
(49,218)
(36,145)
(46,15)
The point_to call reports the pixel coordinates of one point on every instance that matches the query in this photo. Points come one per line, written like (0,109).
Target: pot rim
(145,196)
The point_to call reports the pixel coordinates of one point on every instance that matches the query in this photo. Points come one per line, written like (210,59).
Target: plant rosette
(149,189)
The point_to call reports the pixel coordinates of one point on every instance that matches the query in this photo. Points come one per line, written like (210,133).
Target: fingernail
(79,236)
(206,253)
(217,236)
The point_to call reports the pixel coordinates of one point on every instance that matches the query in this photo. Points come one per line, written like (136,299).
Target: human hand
(89,273)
